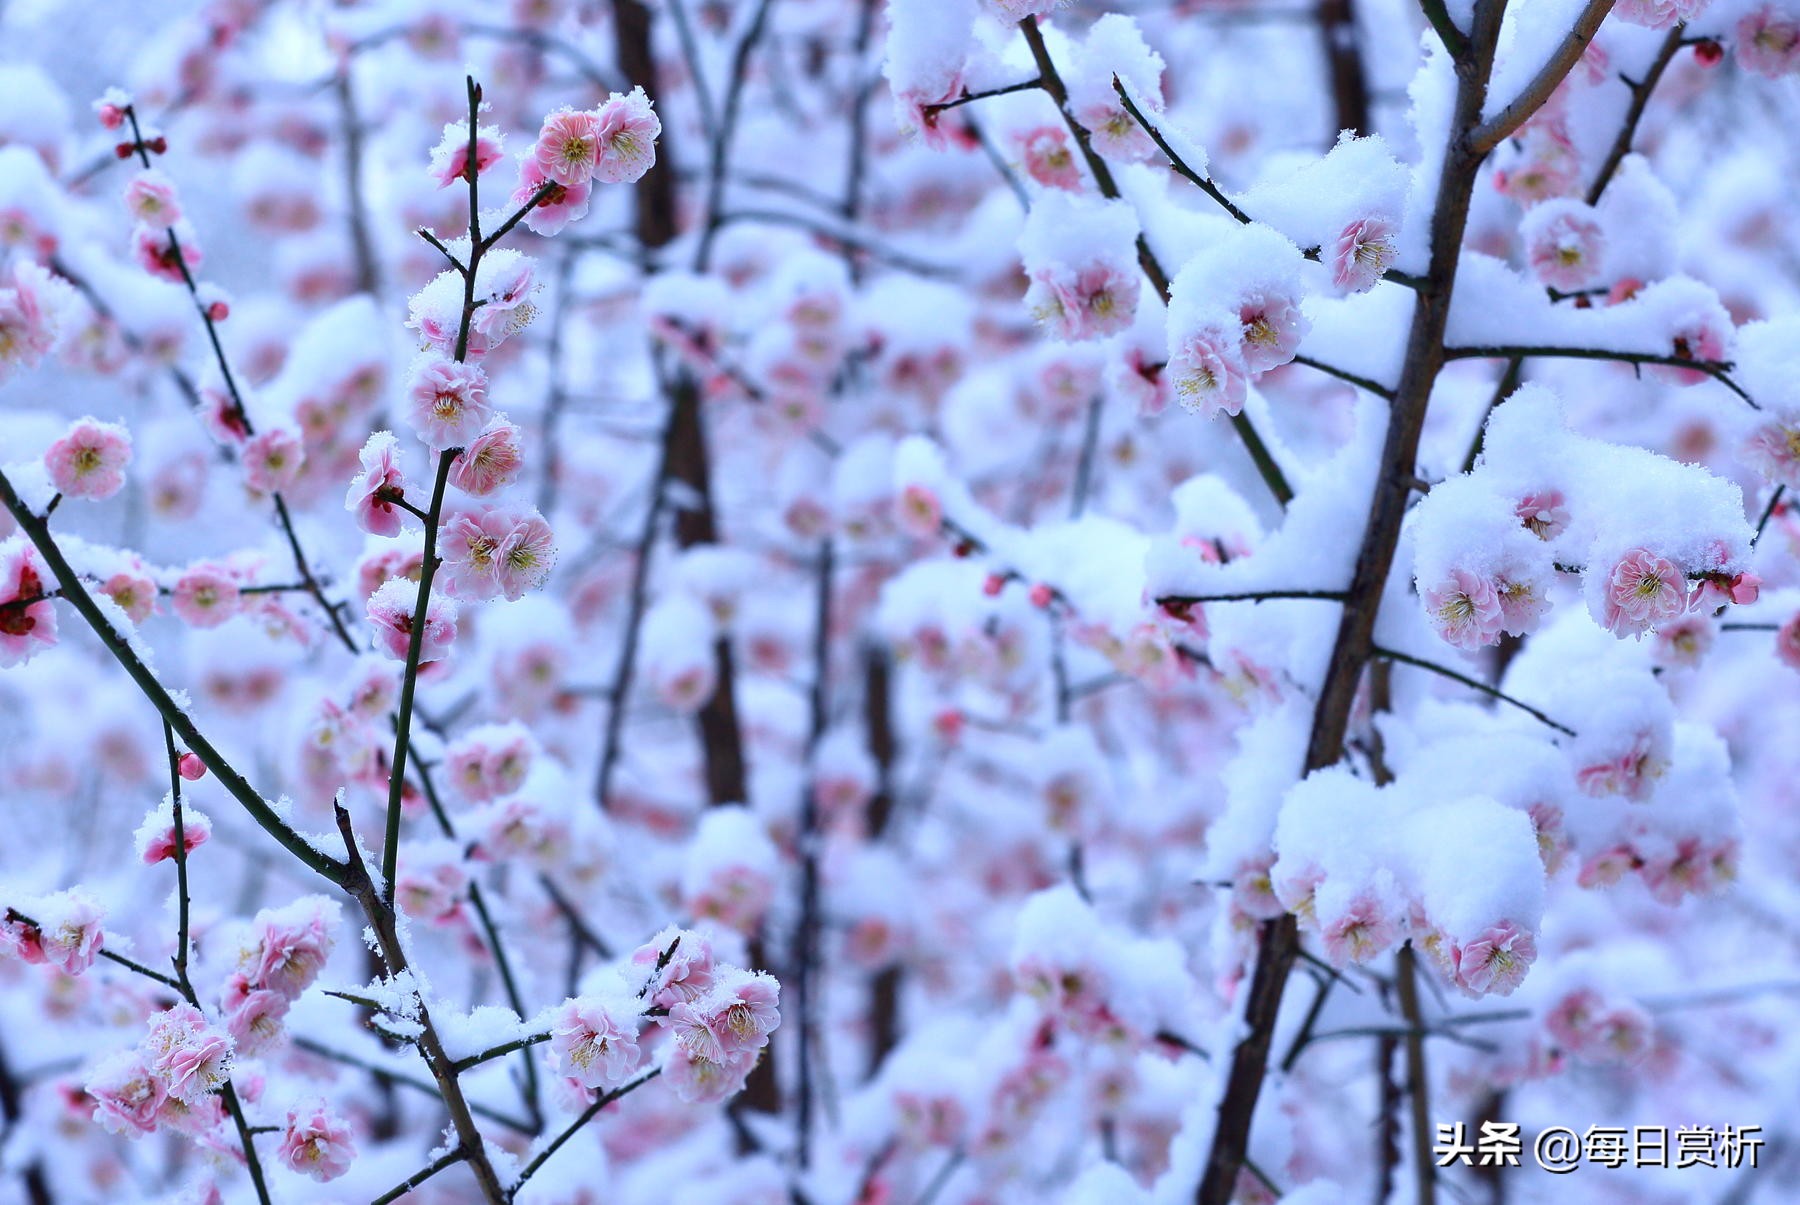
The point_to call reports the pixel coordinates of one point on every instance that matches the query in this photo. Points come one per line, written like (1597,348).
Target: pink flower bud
(192,768)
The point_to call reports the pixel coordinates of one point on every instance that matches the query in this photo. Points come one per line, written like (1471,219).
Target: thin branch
(409,681)
(500,1051)
(419,1177)
(587,1115)
(76,594)
(1719,370)
(1768,513)
(1454,40)
(969,97)
(1188,600)
(240,412)
(1473,684)
(1640,100)
(1498,129)
(1205,184)
(402,1079)
(1418,1083)
(1153,269)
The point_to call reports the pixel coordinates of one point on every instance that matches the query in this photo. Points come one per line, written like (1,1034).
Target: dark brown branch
(1354,645)
(1640,100)
(1719,370)
(1492,133)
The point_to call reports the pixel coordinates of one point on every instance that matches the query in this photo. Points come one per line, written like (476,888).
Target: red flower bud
(191,767)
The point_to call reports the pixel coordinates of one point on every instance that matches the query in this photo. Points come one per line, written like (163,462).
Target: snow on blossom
(290,945)
(728,873)
(1081,258)
(156,836)
(1115,48)
(928,46)
(450,157)
(1565,244)
(391,610)
(1234,312)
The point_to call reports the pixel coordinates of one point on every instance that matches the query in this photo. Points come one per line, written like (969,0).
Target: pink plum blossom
(490,462)
(1092,301)
(680,967)
(1366,928)
(253,1016)
(1048,158)
(156,836)
(89,460)
(470,543)
(1658,14)
(293,944)
(316,1142)
(699,1080)
(375,492)
(1701,338)
(556,205)
(126,1094)
(1564,244)
(27,617)
(1773,449)
(1643,591)
(171,254)
(69,934)
(1685,642)
(187,1053)
(1632,772)
(626,134)
(568,146)
(273,459)
(446,402)
(523,559)
(741,1010)
(391,610)
(1272,327)
(151,201)
(1544,513)
(1495,962)
(206,595)
(450,158)
(1787,642)
(28,327)
(594,1043)
(1466,610)
(1363,252)
(1208,373)
(1768,42)
(132,591)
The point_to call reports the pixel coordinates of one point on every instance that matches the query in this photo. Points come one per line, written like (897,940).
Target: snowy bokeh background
(922,635)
